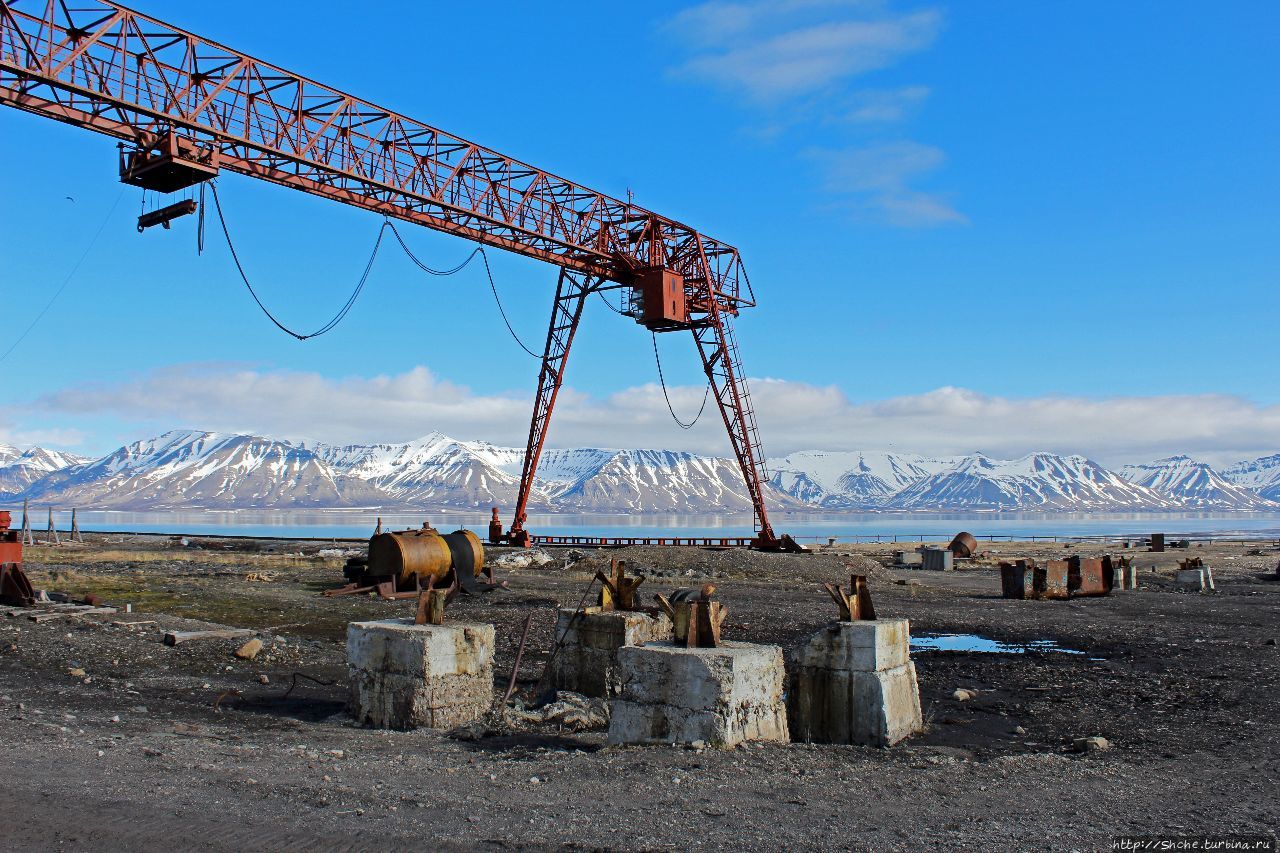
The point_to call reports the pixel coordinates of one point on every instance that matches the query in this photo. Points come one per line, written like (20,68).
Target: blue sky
(992,225)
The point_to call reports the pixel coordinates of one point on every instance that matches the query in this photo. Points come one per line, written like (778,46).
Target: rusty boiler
(411,557)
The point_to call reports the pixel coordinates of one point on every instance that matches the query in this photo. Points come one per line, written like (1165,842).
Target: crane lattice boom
(189,107)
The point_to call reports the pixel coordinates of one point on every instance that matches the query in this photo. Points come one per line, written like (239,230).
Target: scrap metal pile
(1074,577)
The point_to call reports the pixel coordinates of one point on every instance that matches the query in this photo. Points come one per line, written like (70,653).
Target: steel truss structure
(98,65)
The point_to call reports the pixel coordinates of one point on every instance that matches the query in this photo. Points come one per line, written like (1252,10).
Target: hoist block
(173,163)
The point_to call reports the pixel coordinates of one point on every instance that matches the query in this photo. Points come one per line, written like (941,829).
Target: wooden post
(27,537)
(378,529)
(53,531)
(75,527)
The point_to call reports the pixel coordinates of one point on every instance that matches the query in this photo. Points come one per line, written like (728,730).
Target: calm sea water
(812,526)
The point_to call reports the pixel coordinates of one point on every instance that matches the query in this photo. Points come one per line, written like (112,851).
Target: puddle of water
(978,643)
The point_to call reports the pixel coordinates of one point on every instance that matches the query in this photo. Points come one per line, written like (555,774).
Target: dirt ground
(116,741)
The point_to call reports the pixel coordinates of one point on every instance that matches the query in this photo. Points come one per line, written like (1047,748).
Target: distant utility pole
(75,527)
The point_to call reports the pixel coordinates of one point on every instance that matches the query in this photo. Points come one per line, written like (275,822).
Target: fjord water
(804,526)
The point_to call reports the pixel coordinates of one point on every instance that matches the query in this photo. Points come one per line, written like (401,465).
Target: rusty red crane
(187,108)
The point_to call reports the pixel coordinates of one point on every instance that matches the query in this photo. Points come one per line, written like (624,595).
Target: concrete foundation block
(722,696)
(405,676)
(1192,579)
(587,661)
(853,682)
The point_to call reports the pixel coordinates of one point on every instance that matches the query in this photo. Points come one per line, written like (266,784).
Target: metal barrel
(411,554)
(964,545)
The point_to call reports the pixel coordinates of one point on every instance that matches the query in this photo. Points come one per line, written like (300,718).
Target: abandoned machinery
(187,109)
(403,563)
(1074,577)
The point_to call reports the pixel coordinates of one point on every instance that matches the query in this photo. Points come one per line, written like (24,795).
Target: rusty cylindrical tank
(964,545)
(409,554)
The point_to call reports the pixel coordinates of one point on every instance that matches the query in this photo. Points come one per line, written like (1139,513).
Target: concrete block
(587,661)
(853,682)
(869,646)
(406,676)
(722,696)
(1191,579)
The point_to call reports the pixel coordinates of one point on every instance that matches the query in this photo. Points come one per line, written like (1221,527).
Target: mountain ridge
(194,468)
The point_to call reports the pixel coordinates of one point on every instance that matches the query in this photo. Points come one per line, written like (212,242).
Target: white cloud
(775,50)
(793,416)
(874,182)
(884,106)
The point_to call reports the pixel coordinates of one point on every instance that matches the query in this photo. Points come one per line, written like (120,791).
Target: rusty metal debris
(15,587)
(617,591)
(964,545)
(695,618)
(854,605)
(1075,577)
(400,563)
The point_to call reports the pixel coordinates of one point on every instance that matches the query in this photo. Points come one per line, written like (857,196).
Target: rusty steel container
(1088,576)
(1052,581)
(964,545)
(1017,580)
(407,555)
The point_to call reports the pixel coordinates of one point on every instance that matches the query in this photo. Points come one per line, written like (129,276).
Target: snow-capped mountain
(440,471)
(1194,484)
(1040,481)
(19,470)
(1258,475)
(851,480)
(434,470)
(187,468)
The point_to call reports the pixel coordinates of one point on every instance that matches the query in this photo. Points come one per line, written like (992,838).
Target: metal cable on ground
(87,249)
(337,318)
(706,395)
(479,250)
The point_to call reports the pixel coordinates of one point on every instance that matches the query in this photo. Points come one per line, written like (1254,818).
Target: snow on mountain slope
(851,479)
(1042,481)
(187,468)
(435,470)
(8,454)
(1194,484)
(1259,475)
(24,469)
(662,481)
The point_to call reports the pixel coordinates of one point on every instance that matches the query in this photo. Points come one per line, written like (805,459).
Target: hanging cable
(92,241)
(337,318)
(494,288)
(479,250)
(617,311)
(395,233)
(200,223)
(706,395)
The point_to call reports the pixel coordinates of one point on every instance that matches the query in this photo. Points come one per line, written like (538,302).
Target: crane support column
(572,291)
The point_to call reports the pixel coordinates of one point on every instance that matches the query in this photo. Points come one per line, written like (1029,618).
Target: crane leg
(572,291)
(723,364)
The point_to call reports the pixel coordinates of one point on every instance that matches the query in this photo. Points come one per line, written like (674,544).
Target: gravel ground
(115,741)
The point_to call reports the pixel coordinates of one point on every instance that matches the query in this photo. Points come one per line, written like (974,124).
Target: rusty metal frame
(110,69)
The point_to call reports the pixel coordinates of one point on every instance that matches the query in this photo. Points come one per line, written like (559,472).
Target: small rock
(1270,642)
(115,719)
(963,695)
(76,672)
(1019,730)
(1091,744)
(534,780)
(249,650)
(264,679)
(698,744)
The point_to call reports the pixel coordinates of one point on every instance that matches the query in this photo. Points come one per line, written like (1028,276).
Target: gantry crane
(187,108)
